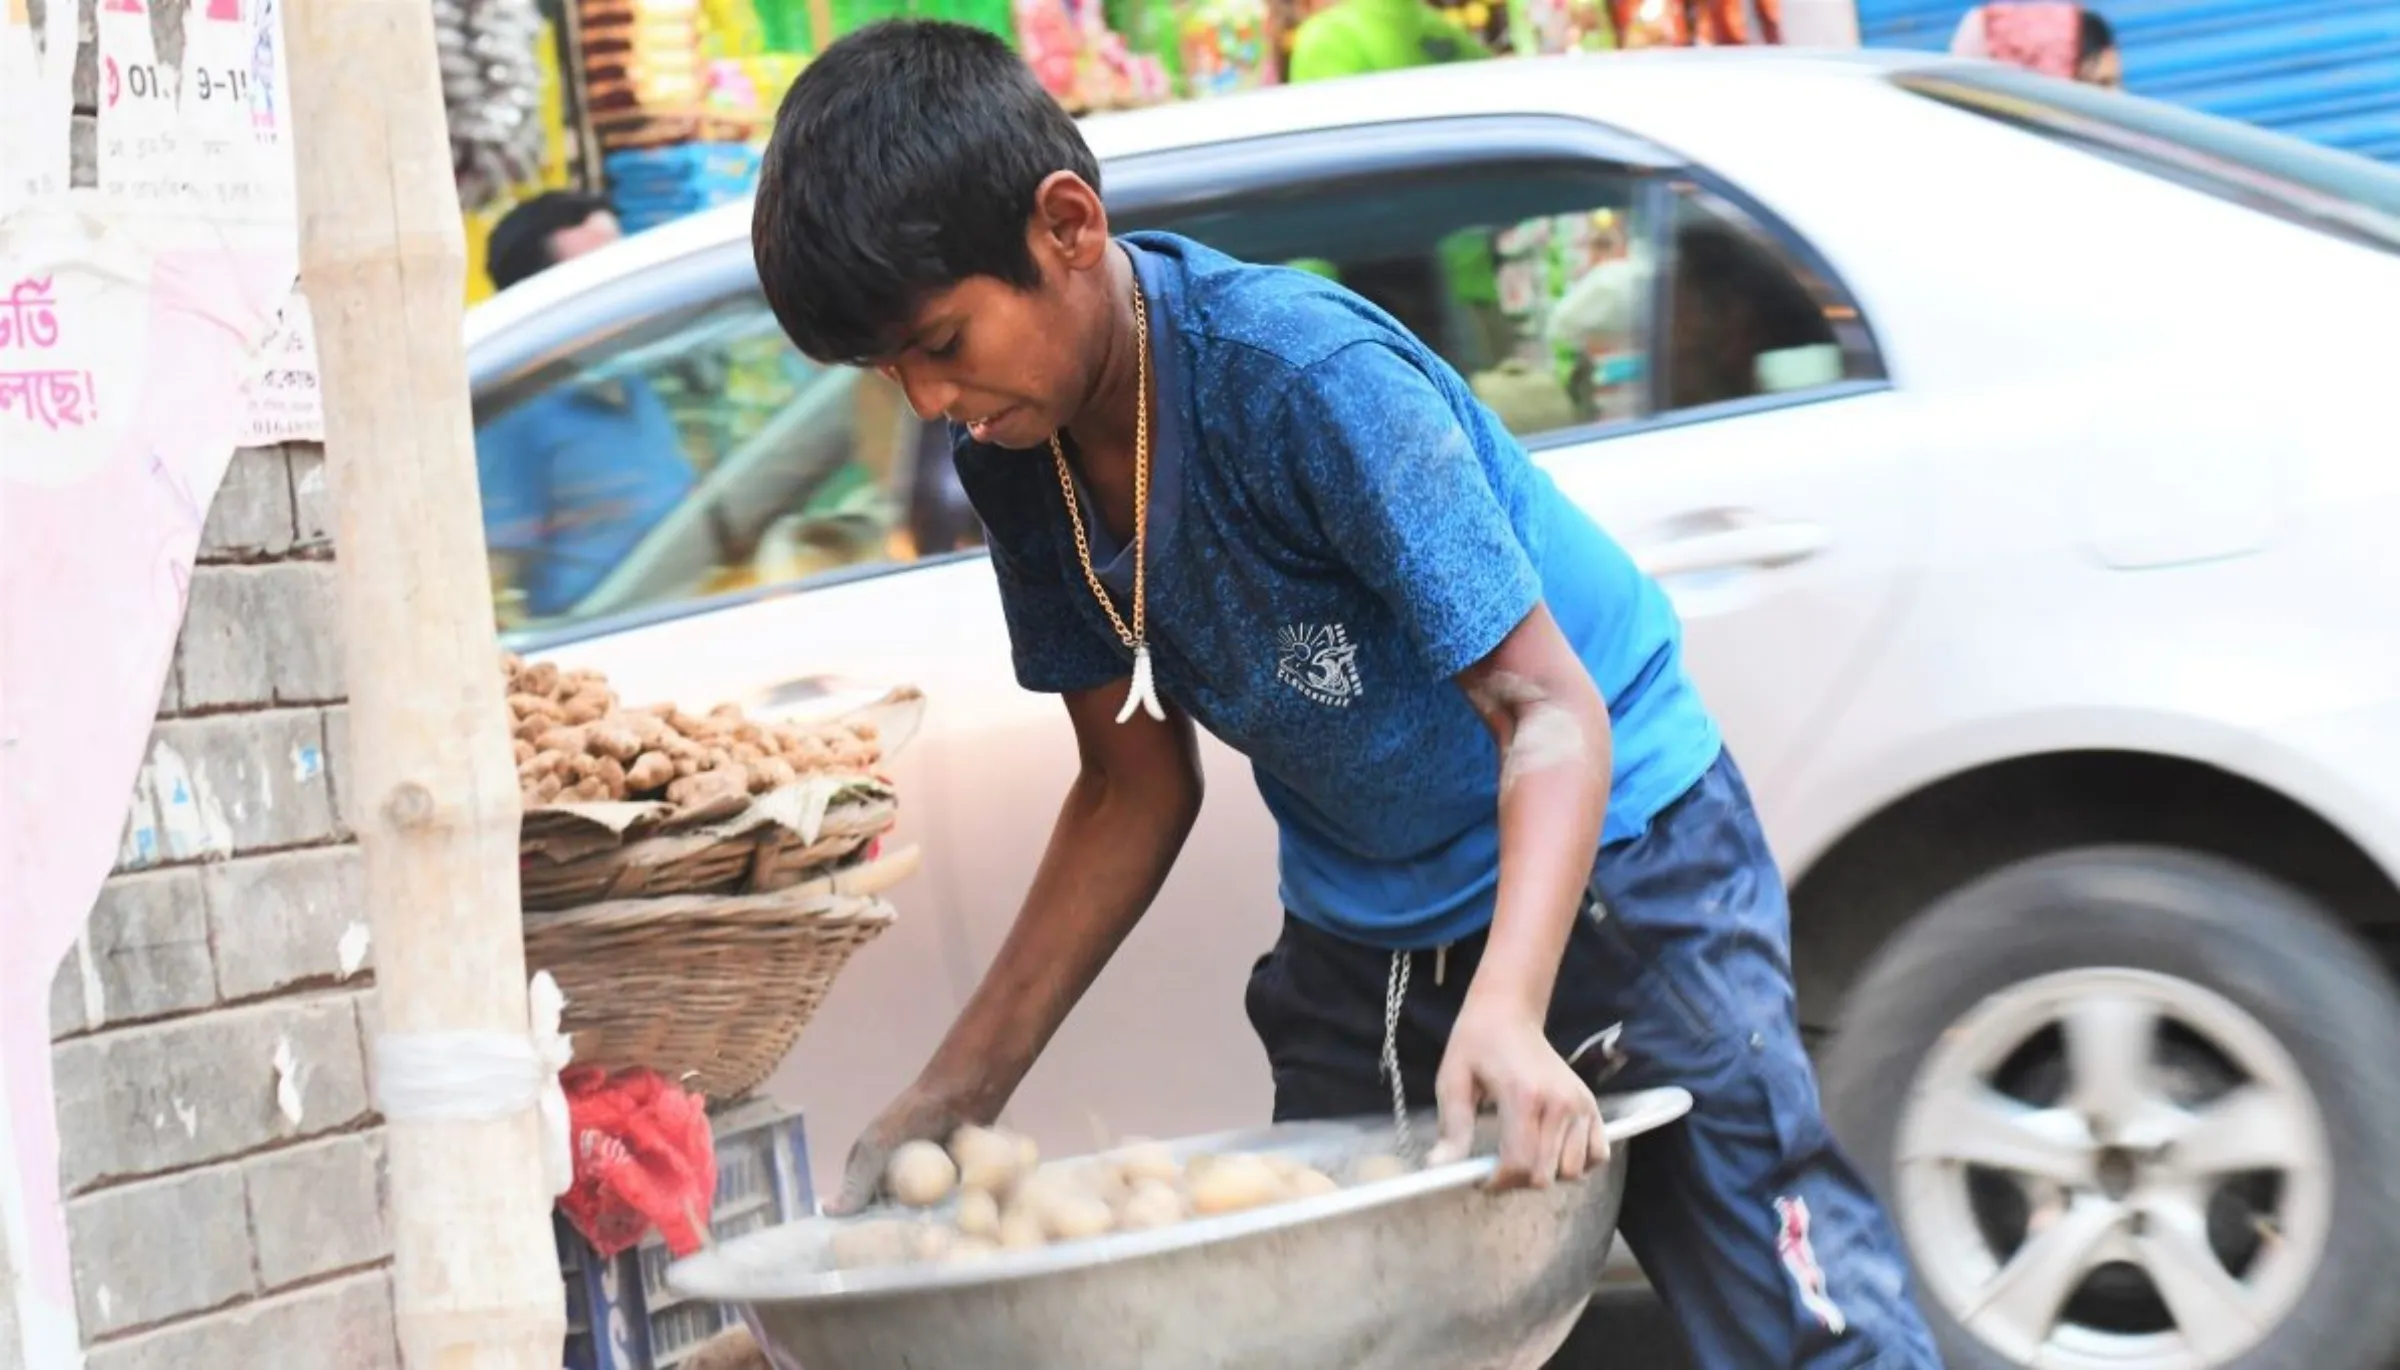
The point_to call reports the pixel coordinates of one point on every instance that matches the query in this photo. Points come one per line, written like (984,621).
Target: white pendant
(1144,694)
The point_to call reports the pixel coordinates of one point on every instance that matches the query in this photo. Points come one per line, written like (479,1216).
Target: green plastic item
(1150,29)
(993,16)
(785,23)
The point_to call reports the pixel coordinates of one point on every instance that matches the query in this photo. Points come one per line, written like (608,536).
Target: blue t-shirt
(1338,529)
(573,479)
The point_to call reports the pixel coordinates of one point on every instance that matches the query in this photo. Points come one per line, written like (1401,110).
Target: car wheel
(2133,1109)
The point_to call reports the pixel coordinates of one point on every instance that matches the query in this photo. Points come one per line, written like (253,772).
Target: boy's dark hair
(520,243)
(2093,36)
(904,161)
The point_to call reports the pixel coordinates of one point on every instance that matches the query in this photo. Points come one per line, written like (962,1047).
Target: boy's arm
(1389,477)
(1125,818)
(1535,695)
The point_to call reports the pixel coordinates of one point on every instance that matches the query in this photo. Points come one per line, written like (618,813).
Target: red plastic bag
(644,1158)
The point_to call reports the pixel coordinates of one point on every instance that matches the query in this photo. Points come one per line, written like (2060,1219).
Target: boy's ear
(1069,222)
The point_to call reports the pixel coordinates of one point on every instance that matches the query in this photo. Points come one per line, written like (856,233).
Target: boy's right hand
(918,1115)
(1125,818)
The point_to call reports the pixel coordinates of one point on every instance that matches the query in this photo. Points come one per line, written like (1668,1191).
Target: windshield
(2300,182)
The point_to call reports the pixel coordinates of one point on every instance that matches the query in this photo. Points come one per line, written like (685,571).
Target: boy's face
(1014,366)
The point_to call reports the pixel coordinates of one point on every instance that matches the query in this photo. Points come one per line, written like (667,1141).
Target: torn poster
(282,400)
(133,314)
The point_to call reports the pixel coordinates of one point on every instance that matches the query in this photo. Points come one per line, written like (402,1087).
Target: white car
(2022,461)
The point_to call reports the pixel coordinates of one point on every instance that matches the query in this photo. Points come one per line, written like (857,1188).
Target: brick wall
(221,1161)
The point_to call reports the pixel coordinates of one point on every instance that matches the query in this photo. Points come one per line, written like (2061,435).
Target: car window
(1746,314)
(1528,279)
(696,455)
(1540,282)
(2300,182)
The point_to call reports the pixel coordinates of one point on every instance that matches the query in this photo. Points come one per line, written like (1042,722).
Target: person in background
(548,229)
(574,477)
(1354,37)
(2055,39)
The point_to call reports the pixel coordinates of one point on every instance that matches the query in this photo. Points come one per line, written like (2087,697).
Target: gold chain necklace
(1144,694)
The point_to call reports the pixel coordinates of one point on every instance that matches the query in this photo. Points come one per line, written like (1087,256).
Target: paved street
(1646,1339)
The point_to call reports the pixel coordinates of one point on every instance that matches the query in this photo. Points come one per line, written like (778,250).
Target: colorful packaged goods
(488,51)
(731,28)
(642,70)
(1556,26)
(743,92)
(1227,46)
(1081,61)
(1707,23)
(650,186)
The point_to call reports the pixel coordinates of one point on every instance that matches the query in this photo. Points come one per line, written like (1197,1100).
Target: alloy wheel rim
(2084,1134)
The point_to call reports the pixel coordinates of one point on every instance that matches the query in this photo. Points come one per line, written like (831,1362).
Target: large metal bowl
(1428,1271)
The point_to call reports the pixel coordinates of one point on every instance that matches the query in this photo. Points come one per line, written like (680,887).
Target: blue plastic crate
(682,160)
(708,167)
(651,186)
(620,1313)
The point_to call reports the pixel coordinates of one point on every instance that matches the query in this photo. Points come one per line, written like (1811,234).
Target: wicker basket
(784,858)
(709,989)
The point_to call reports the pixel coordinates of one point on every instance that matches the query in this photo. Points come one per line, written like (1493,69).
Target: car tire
(2249,1045)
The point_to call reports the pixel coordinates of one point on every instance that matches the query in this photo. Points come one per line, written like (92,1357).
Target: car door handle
(1761,545)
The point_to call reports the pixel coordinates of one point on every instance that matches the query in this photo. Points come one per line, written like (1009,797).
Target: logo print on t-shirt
(1319,661)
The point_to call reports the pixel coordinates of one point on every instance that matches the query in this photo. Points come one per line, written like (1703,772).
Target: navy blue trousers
(1763,1240)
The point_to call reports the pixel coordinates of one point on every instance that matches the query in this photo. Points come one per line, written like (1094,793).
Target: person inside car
(575,476)
(1514,850)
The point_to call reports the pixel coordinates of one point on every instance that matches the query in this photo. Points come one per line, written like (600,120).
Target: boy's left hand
(1549,1120)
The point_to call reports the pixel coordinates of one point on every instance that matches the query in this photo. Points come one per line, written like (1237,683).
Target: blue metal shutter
(2325,70)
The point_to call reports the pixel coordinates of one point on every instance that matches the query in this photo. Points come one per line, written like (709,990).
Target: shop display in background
(681,94)
(1548,27)
(641,71)
(1084,63)
(559,168)
(743,91)
(1488,20)
(1359,37)
(731,28)
(652,186)
(1695,23)
(746,71)
(1226,46)
(492,93)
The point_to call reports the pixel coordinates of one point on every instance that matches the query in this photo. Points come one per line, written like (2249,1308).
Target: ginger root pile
(994,1194)
(575,743)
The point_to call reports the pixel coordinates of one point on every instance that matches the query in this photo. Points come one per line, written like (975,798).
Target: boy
(1244,498)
